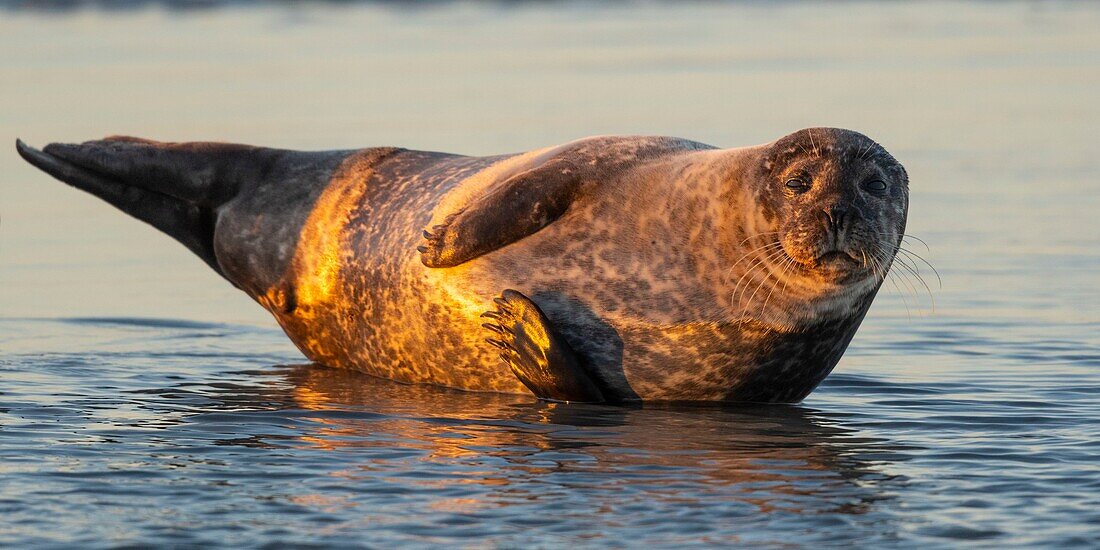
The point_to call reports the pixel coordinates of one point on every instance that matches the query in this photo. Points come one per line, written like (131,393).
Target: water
(144,401)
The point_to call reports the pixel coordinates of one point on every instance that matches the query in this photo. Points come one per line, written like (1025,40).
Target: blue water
(143,401)
(193,433)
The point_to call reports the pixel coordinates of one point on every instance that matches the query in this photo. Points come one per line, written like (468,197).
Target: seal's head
(834,205)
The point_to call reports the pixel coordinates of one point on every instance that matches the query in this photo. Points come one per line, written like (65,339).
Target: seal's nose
(835,219)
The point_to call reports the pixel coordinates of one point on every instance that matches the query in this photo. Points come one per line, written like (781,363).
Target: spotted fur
(677,270)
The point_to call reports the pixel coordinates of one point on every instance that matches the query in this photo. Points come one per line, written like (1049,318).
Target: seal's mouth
(835,256)
(827,262)
(839,266)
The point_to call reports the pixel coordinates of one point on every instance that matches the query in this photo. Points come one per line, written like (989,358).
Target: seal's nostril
(839,217)
(834,218)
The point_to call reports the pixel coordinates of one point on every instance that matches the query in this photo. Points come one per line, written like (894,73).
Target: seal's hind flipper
(202,173)
(516,208)
(190,224)
(536,353)
(175,187)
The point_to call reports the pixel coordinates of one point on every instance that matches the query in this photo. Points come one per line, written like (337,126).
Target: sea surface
(145,402)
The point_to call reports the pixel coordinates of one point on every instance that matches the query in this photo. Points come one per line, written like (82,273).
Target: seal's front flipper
(537,354)
(520,195)
(513,209)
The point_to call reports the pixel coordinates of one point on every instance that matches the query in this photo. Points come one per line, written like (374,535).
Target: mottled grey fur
(677,270)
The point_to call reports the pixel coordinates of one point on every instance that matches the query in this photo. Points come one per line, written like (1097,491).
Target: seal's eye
(875,186)
(797,185)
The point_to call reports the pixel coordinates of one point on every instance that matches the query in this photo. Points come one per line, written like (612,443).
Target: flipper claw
(495,328)
(537,354)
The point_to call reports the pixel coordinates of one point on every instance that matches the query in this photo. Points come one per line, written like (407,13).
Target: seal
(608,269)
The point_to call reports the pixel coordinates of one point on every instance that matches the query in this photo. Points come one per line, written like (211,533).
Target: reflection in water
(766,457)
(199,442)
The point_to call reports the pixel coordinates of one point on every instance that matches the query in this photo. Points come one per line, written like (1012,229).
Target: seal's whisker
(906,236)
(904,302)
(771,257)
(802,148)
(900,247)
(750,253)
(761,247)
(748,271)
(875,255)
(884,260)
(924,261)
(759,263)
(859,152)
(863,150)
(880,259)
(753,264)
(918,239)
(916,274)
(908,262)
(756,235)
(882,274)
(870,151)
(908,259)
(783,275)
(904,274)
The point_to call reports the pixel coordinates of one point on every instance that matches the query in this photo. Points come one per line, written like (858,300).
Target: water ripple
(222,447)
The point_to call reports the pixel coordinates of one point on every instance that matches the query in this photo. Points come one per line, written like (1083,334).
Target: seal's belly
(399,320)
(428,330)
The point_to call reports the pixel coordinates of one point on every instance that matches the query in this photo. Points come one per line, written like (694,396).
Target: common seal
(606,269)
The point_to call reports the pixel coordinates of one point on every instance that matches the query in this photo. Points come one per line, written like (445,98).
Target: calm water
(145,401)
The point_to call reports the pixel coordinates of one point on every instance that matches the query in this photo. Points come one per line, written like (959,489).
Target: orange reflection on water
(773,458)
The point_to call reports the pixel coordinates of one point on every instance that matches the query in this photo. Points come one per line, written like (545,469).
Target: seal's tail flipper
(173,187)
(201,173)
